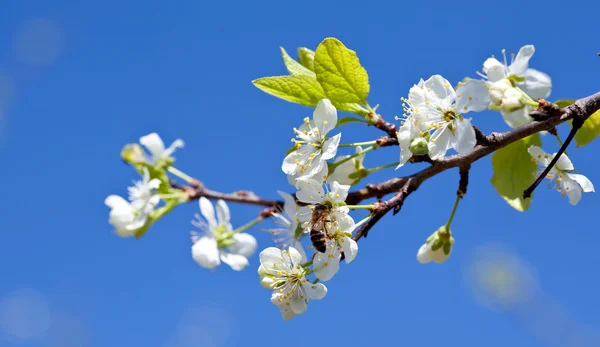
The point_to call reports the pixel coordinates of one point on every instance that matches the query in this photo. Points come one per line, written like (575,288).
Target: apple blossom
(566,182)
(128,216)
(313,147)
(532,82)
(435,103)
(281,271)
(156,147)
(218,242)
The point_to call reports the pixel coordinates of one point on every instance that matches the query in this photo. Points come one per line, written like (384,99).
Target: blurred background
(78,80)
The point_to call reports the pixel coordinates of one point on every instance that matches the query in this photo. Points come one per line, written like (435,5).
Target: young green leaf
(306,58)
(294,67)
(513,171)
(301,89)
(564,103)
(339,71)
(589,130)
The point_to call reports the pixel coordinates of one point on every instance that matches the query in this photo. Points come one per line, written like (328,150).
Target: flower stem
(315,281)
(453,212)
(360,207)
(307,264)
(248,225)
(356,144)
(527,99)
(379,168)
(363,221)
(368,149)
(180,174)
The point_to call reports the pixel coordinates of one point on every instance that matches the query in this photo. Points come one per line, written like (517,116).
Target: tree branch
(548,118)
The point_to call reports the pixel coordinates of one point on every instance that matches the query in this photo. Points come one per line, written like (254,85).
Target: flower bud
(418,146)
(511,100)
(132,153)
(437,248)
(498,89)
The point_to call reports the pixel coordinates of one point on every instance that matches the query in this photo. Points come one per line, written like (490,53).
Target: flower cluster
(314,226)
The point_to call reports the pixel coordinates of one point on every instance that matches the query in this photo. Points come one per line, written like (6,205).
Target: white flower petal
(325,116)
(297,245)
(341,172)
(517,118)
(223,215)
(176,144)
(350,248)
(289,204)
(464,136)
(289,166)
(330,147)
(424,255)
(208,211)
(309,191)
(439,256)
(206,253)
(295,256)
(315,291)
(245,245)
(564,163)
(572,189)
(441,88)
(583,181)
(154,144)
(324,267)
(236,261)
(537,84)
(541,157)
(116,202)
(344,220)
(297,304)
(270,257)
(474,96)
(440,142)
(339,191)
(494,70)
(521,62)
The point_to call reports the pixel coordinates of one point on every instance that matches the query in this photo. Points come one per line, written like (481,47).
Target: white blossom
(339,228)
(217,243)
(313,146)
(566,182)
(349,172)
(437,248)
(156,147)
(411,132)
(536,84)
(289,220)
(435,103)
(128,216)
(281,271)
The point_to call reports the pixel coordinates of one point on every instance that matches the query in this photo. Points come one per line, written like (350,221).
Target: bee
(318,231)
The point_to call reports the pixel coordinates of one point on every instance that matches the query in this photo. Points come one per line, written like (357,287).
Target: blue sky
(78,81)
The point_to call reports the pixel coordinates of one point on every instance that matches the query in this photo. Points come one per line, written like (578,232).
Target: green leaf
(513,171)
(294,67)
(301,89)
(350,107)
(564,103)
(339,71)
(346,120)
(589,130)
(306,58)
